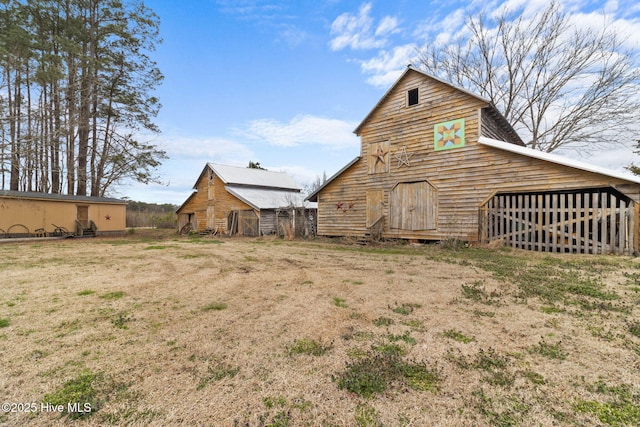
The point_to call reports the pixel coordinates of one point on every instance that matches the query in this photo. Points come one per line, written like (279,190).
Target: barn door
(211,219)
(375,199)
(414,206)
(82,215)
(248,224)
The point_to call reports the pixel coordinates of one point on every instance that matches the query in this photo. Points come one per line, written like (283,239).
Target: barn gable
(436,162)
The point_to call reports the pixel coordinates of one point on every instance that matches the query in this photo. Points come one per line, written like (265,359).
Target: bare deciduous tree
(557,83)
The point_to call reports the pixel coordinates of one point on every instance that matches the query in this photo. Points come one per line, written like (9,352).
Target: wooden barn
(245,201)
(30,214)
(438,162)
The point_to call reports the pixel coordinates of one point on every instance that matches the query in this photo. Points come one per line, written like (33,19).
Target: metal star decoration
(403,157)
(379,155)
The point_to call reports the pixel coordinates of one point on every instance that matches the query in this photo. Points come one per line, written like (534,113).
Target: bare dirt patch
(197,331)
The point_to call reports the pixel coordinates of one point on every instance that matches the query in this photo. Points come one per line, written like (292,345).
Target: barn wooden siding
(344,209)
(210,205)
(456,183)
(596,221)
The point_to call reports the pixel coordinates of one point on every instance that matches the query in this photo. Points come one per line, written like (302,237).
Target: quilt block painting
(448,135)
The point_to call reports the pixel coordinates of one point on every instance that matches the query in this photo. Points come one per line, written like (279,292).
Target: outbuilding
(29,214)
(241,201)
(438,162)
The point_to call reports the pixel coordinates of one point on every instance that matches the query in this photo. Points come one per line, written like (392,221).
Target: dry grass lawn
(167,330)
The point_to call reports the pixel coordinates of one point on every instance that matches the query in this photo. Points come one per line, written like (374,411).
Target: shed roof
(263,198)
(33,195)
(554,158)
(235,175)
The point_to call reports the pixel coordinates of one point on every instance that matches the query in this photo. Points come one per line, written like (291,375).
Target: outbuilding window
(412,97)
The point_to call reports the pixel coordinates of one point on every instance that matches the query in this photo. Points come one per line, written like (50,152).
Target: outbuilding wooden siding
(460,180)
(34,214)
(212,198)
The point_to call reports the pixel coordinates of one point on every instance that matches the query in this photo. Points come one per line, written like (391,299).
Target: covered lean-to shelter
(438,162)
(244,201)
(29,214)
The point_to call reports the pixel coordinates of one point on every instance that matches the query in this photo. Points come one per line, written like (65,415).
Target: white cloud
(628,30)
(358,32)
(440,30)
(388,25)
(292,35)
(300,174)
(303,130)
(206,149)
(614,157)
(387,66)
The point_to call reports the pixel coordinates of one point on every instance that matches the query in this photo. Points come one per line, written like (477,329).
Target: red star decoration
(107,217)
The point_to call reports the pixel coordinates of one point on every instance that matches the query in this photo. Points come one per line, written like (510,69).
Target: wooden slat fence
(595,222)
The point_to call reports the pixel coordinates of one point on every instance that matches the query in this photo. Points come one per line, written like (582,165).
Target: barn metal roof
(234,175)
(33,195)
(554,158)
(262,198)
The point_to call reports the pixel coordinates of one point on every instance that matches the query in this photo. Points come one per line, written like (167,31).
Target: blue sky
(285,83)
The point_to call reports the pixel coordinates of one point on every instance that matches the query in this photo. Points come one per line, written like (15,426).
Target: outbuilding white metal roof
(262,198)
(234,175)
(554,158)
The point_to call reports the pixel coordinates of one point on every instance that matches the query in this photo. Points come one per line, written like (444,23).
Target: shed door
(211,219)
(248,224)
(414,206)
(82,215)
(375,198)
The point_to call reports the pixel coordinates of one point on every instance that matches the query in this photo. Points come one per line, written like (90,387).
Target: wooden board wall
(30,214)
(212,198)
(464,177)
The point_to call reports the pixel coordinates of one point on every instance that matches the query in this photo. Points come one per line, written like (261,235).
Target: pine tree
(79,89)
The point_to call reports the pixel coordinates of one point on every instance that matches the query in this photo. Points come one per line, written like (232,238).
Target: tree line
(141,214)
(76,88)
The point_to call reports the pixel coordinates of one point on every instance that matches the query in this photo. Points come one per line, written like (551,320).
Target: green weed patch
(378,371)
(113,295)
(215,306)
(79,393)
(308,346)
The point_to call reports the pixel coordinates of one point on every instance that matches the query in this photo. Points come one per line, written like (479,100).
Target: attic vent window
(412,97)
